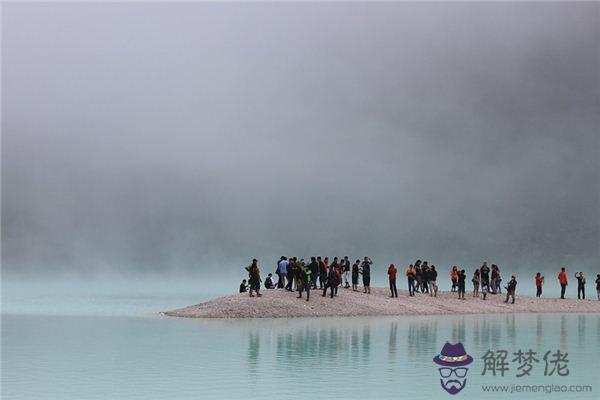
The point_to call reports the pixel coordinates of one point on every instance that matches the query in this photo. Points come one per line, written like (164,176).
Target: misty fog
(192,137)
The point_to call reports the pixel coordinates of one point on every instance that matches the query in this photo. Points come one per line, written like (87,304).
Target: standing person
(433,287)
(498,280)
(425,278)
(254,275)
(493,280)
(289,274)
(322,272)
(539,281)
(305,282)
(454,278)
(282,271)
(580,285)
(476,279)
(300,266)
(410,275)
(338,271)
(309,283)
(598,286)
(562,279)
(294,267)
(300,279)
(485,277)
(330,282)
(392,275)
(366,273)
(511,289)
(314,272)
(346,272)
(484,271)
(485,288)
(462,276)
(418,275)
(355,273)
(334,264)
(335,267)
(326,266)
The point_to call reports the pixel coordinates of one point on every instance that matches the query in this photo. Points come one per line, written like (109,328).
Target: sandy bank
(279,303)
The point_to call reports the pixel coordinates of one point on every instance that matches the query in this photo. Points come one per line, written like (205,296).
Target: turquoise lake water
(66,341)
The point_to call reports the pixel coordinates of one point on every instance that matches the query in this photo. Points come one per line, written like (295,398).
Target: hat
(453,355)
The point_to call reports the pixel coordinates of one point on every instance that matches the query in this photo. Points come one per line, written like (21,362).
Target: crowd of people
(319,273)
(298,275)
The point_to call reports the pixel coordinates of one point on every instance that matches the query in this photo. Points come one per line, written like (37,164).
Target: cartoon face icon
(452,362)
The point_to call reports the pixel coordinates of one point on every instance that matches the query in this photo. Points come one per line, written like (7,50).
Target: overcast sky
(161,137)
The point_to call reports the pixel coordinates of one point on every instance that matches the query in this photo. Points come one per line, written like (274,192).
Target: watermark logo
(453,361)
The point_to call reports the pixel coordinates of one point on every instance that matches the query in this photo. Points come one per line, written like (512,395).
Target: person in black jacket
(355,274)
(433,287)
(304,282)
(580,285)
(485,275)
(418,275)
(365,268)
(314,272)
(254,278)
(462,276)
(322,273)
(291,274)
(425,276)
(511,289)
(335,265)
(346,272)
(331,282)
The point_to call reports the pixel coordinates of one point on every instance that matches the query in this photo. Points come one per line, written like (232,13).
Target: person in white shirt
(282,265)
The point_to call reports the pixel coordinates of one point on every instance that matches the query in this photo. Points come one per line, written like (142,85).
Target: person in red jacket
(539,281)
(392,271)
(562,278)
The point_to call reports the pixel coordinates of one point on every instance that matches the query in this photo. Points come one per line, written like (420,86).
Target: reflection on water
(563,331)
(581,329)
(253,352)
(392,341)
(152,358)
(538,329)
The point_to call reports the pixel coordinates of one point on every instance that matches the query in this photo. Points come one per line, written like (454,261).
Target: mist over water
(159,139)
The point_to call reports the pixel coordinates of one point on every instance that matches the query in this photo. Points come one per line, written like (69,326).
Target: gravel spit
(279,303)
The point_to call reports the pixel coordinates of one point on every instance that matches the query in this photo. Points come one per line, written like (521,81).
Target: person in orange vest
(411,274)
(454,278)
(562,278)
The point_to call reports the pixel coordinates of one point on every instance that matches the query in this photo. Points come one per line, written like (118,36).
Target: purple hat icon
(453,355)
